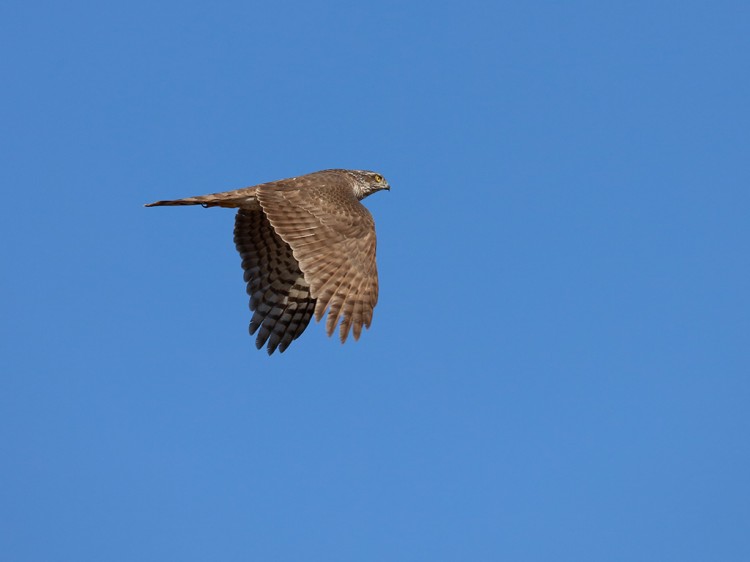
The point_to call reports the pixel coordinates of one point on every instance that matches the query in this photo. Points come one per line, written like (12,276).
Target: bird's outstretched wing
(332,237)
(279,294)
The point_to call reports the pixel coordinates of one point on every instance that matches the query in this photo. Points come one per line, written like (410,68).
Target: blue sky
(558,366)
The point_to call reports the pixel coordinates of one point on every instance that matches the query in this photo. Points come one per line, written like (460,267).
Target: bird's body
(307,245)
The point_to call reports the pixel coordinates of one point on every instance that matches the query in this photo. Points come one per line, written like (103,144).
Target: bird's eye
(378,178)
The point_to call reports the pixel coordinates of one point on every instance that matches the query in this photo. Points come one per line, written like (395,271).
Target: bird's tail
(234,198)
(204,200)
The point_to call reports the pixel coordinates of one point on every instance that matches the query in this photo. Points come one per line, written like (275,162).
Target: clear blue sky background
(558,367)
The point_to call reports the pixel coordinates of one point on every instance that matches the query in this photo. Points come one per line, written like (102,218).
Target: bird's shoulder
(327,192)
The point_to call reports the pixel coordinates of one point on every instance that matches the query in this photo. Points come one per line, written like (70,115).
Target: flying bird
(307,246)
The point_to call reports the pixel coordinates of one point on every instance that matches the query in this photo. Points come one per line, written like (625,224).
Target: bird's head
(368,182)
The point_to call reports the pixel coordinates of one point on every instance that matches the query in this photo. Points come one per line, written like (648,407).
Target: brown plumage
(307,246)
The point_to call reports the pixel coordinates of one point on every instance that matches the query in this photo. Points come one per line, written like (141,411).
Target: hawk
(307,245)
